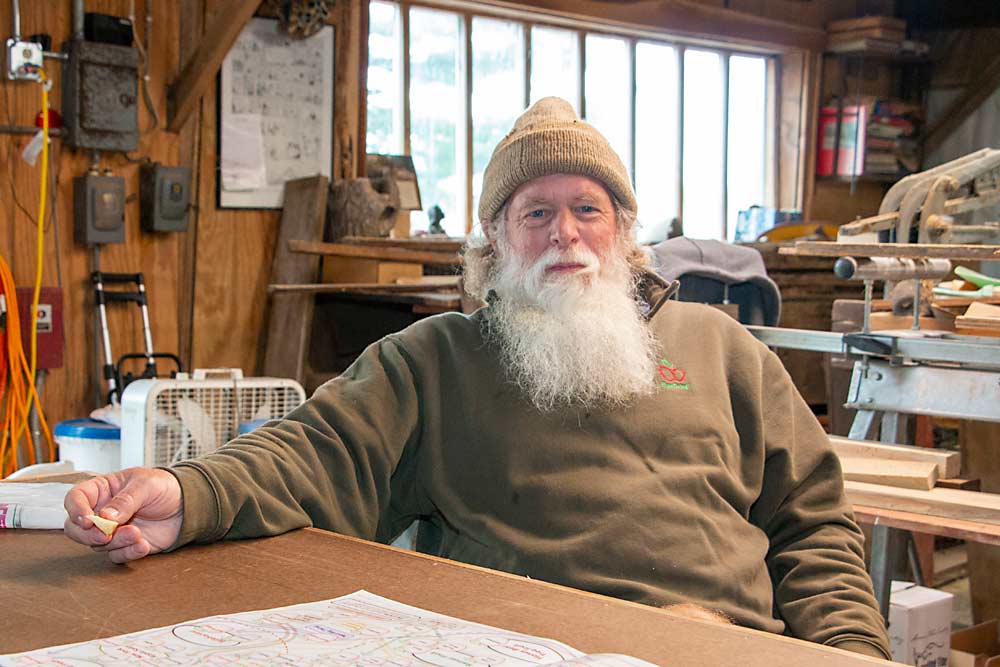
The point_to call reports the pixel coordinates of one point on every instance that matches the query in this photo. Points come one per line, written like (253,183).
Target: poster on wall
(275,113)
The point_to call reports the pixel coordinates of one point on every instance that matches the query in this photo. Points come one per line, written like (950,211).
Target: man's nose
(564,231)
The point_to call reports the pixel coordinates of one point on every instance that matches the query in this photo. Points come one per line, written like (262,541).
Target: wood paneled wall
(71,390)
(206,286)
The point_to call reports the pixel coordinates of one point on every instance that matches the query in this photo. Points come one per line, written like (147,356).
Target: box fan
(168,420)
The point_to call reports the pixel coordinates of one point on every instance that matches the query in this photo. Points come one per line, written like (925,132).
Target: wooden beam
(904,474)
(694,22)
(369,252)
(949,464)
(416,243)
(833,249)
(199,72)
(975,94)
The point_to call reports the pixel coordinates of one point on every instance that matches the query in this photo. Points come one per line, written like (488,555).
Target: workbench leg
(894,428)
(863,425)
(889,553)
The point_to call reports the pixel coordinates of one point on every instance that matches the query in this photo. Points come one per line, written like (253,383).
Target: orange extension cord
(17,376)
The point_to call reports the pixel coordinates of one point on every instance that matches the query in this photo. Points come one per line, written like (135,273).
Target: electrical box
(164,195)
(100,93)
(24,60)
(48,325)
(98,209)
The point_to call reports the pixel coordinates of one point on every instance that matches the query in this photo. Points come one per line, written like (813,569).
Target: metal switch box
(100,96)
(99,209)
(164,194)
(24,60)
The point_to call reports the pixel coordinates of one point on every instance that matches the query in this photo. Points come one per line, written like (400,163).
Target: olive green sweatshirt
(720,489)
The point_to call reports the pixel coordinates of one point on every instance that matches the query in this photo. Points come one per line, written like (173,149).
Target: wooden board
(290,315)
(949,463)
(904,474)
(372,252)
(945,503)
(834,249)
(866,22)
(388,288)
(417,243)
(980,319)
(959,529)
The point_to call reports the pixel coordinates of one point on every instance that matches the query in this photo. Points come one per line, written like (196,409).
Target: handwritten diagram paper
(276,104)
(356,629)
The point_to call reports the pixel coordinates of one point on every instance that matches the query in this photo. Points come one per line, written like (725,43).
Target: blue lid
(88,428)
(250,425)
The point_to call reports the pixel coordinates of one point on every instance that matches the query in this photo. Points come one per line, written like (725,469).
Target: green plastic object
(975,277)
(984,291)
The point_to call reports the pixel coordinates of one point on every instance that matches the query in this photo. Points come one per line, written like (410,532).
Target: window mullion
(680,133)
(404,47)
(467,95)
(526,31)
(631,109)
(771,123)
(725,146)
(582,81)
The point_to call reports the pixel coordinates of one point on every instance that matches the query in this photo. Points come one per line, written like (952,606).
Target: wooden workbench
(53,591)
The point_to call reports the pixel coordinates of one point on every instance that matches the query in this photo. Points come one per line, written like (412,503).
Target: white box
(919,625)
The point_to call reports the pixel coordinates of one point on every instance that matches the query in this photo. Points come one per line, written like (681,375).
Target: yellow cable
(40,237)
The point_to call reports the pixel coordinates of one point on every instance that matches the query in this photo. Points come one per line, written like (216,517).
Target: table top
(54,591)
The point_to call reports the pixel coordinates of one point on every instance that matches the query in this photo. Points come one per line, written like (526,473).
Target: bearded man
(581,429)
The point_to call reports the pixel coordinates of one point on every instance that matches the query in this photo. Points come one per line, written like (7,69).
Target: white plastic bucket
(90,444)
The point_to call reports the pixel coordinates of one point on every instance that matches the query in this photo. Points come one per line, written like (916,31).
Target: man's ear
(490,235)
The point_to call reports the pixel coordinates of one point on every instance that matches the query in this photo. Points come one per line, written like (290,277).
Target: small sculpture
(435,215)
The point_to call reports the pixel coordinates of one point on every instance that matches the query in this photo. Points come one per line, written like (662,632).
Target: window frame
(528,19)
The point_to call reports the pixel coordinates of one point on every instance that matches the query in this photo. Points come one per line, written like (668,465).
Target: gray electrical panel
(98,209)
(100,93)
(164,194)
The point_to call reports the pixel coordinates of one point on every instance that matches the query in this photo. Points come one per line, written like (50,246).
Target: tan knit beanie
(549,139)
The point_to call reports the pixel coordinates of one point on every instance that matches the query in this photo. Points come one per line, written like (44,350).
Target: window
(690,124)
(555,64)
(385,85)
(497,90)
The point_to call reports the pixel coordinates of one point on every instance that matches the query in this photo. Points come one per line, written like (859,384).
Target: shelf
(864,178)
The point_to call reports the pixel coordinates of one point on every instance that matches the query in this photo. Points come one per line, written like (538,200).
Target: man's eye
(537,213)
(587,208)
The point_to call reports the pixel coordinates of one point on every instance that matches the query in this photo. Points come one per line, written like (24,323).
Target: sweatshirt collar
(654,291)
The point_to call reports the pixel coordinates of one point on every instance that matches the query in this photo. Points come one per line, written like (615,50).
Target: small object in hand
(106,526)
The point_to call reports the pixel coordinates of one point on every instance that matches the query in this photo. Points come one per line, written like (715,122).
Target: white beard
(576,339)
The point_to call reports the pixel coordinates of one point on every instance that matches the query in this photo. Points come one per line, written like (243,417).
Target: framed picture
(275,113)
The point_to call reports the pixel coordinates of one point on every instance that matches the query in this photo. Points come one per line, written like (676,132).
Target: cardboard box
(978,646)
(919,625)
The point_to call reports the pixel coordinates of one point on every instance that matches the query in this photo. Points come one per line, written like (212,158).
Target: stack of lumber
(895,465)
(902,479)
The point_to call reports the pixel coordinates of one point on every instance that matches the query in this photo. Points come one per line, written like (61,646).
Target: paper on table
(243,165)
(343,631)
(32,505)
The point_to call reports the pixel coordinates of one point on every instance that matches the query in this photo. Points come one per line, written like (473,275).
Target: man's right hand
(146,502)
